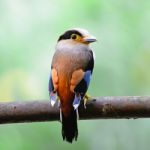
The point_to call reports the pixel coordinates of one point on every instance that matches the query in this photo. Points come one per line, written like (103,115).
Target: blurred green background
(28,33)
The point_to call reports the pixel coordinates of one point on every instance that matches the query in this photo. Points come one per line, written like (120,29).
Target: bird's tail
(69,127)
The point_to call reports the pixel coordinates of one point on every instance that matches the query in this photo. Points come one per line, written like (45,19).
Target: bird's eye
(74,36)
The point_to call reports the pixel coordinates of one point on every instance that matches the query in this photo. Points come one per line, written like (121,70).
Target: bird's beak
(89,39)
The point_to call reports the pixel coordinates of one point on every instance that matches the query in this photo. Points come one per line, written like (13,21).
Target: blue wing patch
(76,101)
(81,89)
(50,85)
(52,93)
(87,77)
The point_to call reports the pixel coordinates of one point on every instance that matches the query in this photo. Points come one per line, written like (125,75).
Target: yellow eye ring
(73,36)
(76,37)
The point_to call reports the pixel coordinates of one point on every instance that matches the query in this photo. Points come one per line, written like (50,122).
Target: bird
(71,70)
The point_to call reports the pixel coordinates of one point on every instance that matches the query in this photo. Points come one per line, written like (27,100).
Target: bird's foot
(76,101)
(53,98)
(86,98)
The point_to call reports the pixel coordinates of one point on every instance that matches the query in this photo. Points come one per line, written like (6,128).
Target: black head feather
(67,34)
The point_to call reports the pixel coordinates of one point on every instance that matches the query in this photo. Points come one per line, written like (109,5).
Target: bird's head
(75,39)
(77,35)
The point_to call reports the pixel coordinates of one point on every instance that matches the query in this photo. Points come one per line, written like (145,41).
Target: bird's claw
(86,98)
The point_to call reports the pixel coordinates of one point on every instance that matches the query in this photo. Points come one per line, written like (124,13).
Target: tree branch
(96,108)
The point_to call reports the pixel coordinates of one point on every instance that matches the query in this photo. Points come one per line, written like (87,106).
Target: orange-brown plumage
(65,95)
(76,77)
(55,78)
(63,70)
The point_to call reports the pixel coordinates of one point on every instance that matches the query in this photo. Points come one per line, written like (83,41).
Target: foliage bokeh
(28,34)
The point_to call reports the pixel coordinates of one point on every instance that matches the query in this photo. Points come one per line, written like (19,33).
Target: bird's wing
(50,85)
(53,85)
(84,83)
(53,81)
(80,80)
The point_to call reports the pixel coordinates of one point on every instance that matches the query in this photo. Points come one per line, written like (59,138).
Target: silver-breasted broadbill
(71,71)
